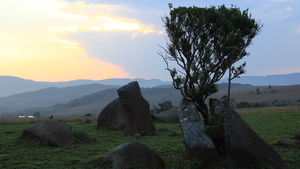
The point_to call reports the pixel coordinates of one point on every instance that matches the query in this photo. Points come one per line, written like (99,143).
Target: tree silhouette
(36,114)
(204,43)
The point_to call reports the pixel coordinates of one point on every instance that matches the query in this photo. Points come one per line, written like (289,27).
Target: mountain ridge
(48,97)
(15,85)
(274,80)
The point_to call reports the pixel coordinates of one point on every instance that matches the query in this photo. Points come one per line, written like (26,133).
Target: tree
(36,114)
(205,43)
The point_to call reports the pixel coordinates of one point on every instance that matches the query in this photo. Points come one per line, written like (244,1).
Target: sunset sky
(62,40)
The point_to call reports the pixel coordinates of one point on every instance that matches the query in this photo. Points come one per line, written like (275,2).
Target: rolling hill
(14,85)
(48,97)
(10,85)
(274,80)
(94,103)
(87,96)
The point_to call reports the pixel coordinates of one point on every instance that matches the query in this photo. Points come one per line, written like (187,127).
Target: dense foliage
(205,43)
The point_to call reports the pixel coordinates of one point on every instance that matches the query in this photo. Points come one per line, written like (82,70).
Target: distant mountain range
(10,85)
(273,80)
(48,97)
(95,102)
(79,96)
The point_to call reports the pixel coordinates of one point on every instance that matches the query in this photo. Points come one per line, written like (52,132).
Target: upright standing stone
(198,145)
(246,148)
(137,110)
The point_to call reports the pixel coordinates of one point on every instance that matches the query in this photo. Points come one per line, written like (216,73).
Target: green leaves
(205,43)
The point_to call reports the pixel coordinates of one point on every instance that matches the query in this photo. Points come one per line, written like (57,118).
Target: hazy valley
(80,98)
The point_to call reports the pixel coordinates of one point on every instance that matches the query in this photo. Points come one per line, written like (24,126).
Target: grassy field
(31,153)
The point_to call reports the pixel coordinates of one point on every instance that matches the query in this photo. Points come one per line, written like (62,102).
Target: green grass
(32,153)
(274,126)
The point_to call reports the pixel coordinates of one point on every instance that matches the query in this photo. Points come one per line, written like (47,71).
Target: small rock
(86,121)
(163,129)
(289,141)
(297,134)
(83,136)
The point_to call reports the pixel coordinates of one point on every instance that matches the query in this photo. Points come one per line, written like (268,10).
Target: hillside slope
(285,94)
(48,97)
(94,103)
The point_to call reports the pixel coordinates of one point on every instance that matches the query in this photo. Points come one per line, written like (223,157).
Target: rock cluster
(242,145)
(130,112)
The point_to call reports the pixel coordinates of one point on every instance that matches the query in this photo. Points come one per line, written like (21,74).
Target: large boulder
(134,154)
(112,116)
(198,145)
(246,148)
(166,105)
(170,115)
(53,132)
(137,110)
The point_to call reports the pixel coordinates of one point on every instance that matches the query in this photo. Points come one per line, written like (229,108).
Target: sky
(63,40)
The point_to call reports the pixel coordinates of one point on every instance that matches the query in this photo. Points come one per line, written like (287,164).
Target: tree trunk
(202,108)
(229,86)
(228,94)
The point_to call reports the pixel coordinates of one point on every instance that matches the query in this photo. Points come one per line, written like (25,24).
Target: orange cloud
(33,43)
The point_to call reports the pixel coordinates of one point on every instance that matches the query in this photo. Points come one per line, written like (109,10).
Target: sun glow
(33,41)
